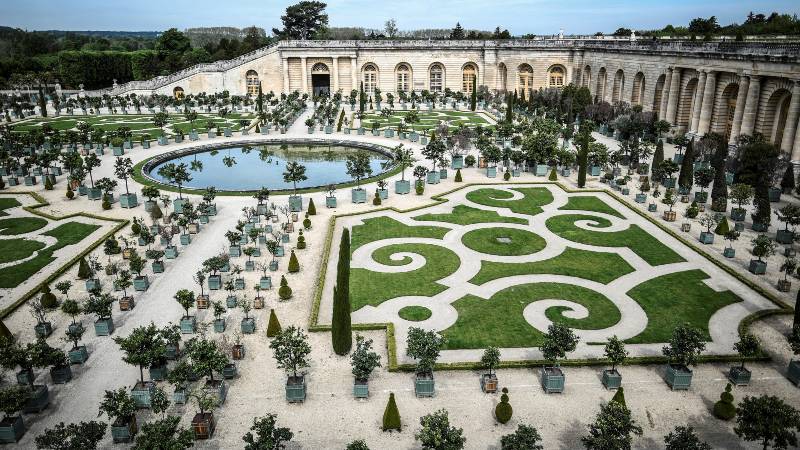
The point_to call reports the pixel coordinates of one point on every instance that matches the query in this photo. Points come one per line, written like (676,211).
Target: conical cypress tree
(48,299)
(796,322)
(787,183)
(458,178)
(619,396)
(553,175)
(5,333)
(341,331)
(274,327)
(474,98)
(583,159)
(391,415)
(658,158)
(84,272)
(510,109)
(686,177)
(722,227)
(312,209)
(294,264)
(719,193)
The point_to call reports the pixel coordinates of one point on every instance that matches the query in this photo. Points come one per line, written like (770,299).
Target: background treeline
(755,24)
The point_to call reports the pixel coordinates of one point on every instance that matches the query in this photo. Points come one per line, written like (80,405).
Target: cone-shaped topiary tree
(312,209)
(391,415)
(376,201)
(84,271)
(686,177)
(722,227)
(553,175)
(5,333)
(724,408)
(48,185)
(274,327)
(294,264)
(284,292)
(658,158)
(619,396)
(341,330)
(458,178)
(503,410)
(48,299)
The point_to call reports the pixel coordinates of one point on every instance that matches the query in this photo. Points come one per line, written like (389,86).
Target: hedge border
(33,209)
(437,199)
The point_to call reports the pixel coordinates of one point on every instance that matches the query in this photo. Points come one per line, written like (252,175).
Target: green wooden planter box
(793,373)
(177,205)
(124,431)
(231,301)
(239,284)
(612,379)
(234,251)
(128,200)
(173,351)
(186,239)
(295,203)
(729,252)
(43,330)
(738,215)
(157,266)
(141,284)
(678,377)
(215,282)
(552,380)
(219,325)
(707,237)
(784,237)
(424,385)
(11,429)
(402,186)
(265,282)
(229,371)
(296,389)
(739,376)
(158,372)
(248,326)
(180,396)
(171,252)
(104,327)
(433,177)
(491,172)
(39,399)
(78,355)
(188,325)
(457,162)
(361,389)
(61,375)
(358,195)
(757,267)
(141,394)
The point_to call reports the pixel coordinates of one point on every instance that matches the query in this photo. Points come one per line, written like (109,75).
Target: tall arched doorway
(320,79)
(525,80)
(502,74)
(251,82)
(637,96)
(775,114)
(619,86)
(659,94)
(178,92)
(600,91)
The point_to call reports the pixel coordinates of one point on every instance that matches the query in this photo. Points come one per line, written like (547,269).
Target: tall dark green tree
(303,20)
(686,177)
(719,191)
(341,328)
(458,32)
(474,97)
(658,158)
(510,108)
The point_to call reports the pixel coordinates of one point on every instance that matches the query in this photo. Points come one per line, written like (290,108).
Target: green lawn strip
(373,288)
(489,241)
(14,249)
(639,241)
(601,267)
(590,203)
(531,204)
(8,203)
(467,215)
(498,321)
(673,299)
(377,228)
(414,313)
(67,234)
(21,225)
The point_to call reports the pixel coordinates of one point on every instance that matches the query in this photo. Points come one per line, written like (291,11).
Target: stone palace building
(730,88)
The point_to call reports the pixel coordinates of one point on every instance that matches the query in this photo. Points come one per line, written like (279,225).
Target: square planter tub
(552,380)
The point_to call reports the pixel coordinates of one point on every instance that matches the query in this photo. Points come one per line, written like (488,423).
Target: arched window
(502,74)
(436,78)
(403,78)
(525,79)
(469,74)
(370,78)
(178,92)
(556,76)
(251,81)
(320,68)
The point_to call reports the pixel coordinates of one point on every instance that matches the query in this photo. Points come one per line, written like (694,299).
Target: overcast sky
(519,16)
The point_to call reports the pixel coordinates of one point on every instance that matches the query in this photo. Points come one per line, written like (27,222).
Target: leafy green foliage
(80,436)
(364,360)
(391,415)
(268,436)
(291,349)
(768,420)
(684,438)
(436,432)
(612,429)
(525,437)
(341,330)
(165,433)
(685,345)
(273,327)
(724,409)
(558,341)
(424,346)
(503,411)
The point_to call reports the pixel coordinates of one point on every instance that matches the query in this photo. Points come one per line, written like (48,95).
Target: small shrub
(553,175)
(48,185)
(48,299)
(5,333)
(391,415)
(106,204)
(301,240)
(722,227)
(274,327)
(294,264)
(619,396)
(284,292)
(84,272)
(420,189)
(377,200)
(70,193)
(312,209)
(503,411)
(458,176)
(506,176)
(724,408)
(469,161)
(306,223)
(693,210)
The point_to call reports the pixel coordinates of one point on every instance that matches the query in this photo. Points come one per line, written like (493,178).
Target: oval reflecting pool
(249,167)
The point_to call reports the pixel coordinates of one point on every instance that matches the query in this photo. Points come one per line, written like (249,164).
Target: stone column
(285,68)
(662,108)
(707,108)
(304,72)
(791,119)
(568,75)
(353,73)
(796,149)
(738,113)
(697,103)
(674,93)
(335,75)
(751,105)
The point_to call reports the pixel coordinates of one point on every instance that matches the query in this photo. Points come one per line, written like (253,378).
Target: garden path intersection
(633,319)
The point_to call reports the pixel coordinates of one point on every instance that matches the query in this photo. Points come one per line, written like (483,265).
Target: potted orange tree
(424,346)
(144,347)
(683,350)
(363,361)
(186,299)
(558,341)
(490,360)
(616,354)
(121,410)
(291,350)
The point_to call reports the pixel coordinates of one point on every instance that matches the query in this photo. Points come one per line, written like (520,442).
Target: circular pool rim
(144,168)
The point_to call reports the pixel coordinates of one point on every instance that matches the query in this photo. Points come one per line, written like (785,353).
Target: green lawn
(414,313)
(8,203)
(14,249)
(531,204)
(428,120)
(596,266)
(503,241)
(67,234)
(639,241)
(590,203)
(374,288)
(677,298)
(21,225)
(378,228)
(467,215)
(498,321)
